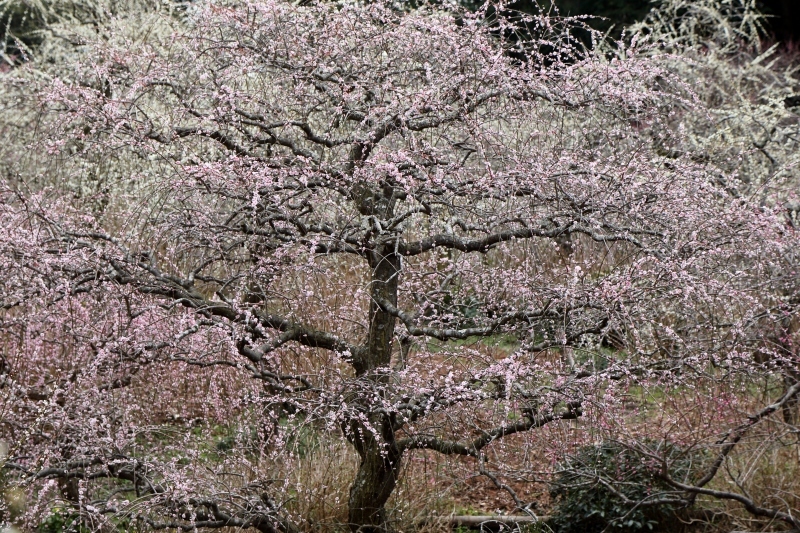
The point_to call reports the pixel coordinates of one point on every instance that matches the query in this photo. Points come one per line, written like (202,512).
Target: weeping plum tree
(319,211)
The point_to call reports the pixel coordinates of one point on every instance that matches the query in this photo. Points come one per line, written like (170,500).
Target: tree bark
(375,442)
(374,483)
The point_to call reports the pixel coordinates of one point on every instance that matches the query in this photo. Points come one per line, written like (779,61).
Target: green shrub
(62,521)
(585,504)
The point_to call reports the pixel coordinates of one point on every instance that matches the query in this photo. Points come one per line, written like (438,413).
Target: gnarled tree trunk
(374,482)
(375,443)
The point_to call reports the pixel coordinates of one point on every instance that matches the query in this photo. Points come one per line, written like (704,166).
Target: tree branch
(472,448)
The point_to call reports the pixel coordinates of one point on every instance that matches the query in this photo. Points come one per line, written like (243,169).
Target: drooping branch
(484,244)
(733,436)
(472,448)
(464,333)
(496,325)
(261,513)
(749,504)
(119,467)
(729,442)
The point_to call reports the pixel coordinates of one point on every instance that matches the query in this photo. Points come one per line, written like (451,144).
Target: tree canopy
(327,212)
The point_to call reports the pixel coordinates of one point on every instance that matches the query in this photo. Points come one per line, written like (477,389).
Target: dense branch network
(334,227)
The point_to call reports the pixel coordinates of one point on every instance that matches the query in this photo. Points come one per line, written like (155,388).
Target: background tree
(320,208)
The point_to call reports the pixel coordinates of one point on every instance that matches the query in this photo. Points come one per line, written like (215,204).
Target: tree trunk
(374,483)
(375,443)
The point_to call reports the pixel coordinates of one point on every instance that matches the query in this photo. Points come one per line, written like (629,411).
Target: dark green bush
(585,504)
(62,521)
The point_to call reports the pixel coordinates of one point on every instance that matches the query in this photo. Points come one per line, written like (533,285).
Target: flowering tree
(327,214)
